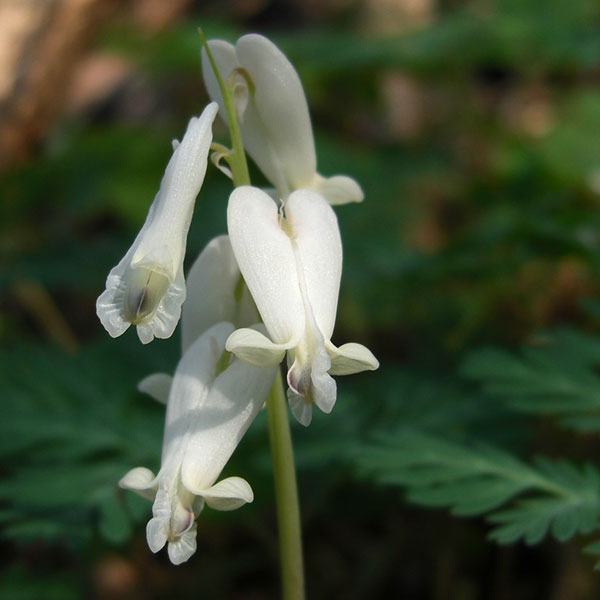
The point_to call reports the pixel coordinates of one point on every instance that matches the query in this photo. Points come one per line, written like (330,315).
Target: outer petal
(339,189)
(147,287)
(316,236)
(351,358)
(266,259)
(228,494)
(141,481)
(255,348)
(216,292)
(235,399)
(279,137)
(111,302)
(178,190)
(157,386)
(189,391)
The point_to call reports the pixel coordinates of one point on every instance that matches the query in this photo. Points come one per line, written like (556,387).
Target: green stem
(286,493)
(237,157)
(280,439)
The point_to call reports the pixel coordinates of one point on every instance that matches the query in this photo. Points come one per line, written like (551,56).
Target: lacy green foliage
(557,376)
(543,497)
(72,426)
(69,215)
(522,500)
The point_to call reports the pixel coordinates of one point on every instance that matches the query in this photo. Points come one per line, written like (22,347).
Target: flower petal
(351,358)
(147,287)
(189,391)
(157,529)
(157,386)
(324,387)
(266,259)
(308,378)
(279,135)
(301,409)
(216,292)
(140,480)
(316,236)
(255,348)
(338,189)
(179,187)
(236,397)
(183,547)
(228,494)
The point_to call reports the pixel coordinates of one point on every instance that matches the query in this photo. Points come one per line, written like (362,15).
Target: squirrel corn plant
(266,291)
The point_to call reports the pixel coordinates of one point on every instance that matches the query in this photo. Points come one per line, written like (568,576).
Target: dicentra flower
(147,287)
(212,401)
(274,118)
(291,260)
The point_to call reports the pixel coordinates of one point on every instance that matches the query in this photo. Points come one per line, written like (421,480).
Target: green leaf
(72,426)
(556,377)
(547,496)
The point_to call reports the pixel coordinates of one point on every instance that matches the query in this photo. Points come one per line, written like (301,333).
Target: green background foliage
(470,270)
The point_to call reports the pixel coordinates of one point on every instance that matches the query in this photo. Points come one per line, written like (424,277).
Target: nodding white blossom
(147,287)
(212,401)
(291,260)
(274,118)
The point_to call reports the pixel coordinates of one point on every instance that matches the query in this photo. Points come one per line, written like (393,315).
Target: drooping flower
(147,287)
(274,117)
(211,405)
(291,260)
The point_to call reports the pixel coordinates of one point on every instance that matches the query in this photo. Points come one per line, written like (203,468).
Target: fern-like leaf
(557,377)
(539,498)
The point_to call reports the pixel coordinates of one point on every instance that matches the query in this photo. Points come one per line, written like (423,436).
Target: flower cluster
(266,290)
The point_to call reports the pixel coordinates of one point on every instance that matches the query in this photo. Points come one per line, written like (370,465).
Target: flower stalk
(237,157)
(286,493)
(280,439)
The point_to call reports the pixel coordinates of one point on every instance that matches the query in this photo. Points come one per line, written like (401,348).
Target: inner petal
(145,289)
(308,375)
(182,513)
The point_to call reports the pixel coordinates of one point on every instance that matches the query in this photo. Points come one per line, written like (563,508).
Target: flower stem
(237,157)
(286,493)
(280,439)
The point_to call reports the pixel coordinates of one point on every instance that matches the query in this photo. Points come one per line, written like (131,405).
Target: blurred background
(474,129)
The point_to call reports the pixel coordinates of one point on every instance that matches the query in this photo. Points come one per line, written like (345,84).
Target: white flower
(147,287)
(291,261)
(274,118)
(210,407)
